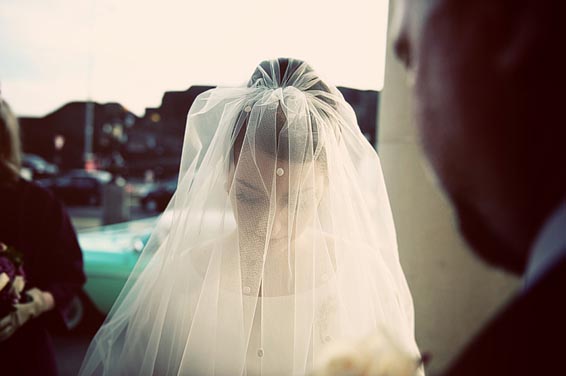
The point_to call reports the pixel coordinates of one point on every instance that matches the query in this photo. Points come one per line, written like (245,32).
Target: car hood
(126,237)
(117,238)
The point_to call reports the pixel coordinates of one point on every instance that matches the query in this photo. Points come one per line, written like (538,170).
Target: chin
(485,242)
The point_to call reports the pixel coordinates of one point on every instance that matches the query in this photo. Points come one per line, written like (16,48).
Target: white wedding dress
(279,241)
(270,353)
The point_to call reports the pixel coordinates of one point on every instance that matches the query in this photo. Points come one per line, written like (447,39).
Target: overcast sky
(131,51)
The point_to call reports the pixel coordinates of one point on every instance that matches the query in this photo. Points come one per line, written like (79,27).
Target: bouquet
(12,279)
(375,355)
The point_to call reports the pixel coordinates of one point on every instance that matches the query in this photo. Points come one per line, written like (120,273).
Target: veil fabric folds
(278,241)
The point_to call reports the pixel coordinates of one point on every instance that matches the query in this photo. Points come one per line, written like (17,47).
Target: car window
(84,183)
(63,181)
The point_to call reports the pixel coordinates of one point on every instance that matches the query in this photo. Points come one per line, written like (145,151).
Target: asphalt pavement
(70,352)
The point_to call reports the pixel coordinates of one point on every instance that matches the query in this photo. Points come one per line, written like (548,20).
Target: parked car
(78,186)
(38,166)
(109,254)
(139,189)
(101,175)
(157,197)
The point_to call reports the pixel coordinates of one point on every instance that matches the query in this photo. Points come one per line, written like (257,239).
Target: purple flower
(11,265)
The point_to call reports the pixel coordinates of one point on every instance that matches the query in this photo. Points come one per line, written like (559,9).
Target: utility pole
(88,156)
(89,127)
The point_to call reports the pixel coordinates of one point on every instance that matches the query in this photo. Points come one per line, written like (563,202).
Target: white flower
(375,355)
(4,279)
(18,286)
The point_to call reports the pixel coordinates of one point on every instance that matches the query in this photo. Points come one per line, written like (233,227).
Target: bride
(278,242)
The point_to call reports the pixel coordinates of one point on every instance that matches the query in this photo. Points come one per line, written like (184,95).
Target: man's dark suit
(527,338)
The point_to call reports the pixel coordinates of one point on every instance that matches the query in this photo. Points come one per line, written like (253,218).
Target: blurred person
(488,79)
(35,224)
(280,241)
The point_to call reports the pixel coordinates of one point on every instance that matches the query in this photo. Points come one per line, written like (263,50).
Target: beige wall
(454,293)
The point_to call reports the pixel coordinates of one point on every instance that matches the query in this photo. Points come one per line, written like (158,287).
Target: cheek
(438,112)
(450,120)
(438,138)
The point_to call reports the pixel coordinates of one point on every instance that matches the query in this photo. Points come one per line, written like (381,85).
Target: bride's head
(279,170)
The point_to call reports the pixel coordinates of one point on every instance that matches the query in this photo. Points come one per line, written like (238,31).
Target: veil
(278,241)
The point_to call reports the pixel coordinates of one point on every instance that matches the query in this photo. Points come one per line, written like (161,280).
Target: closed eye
(248,198)
(250,186)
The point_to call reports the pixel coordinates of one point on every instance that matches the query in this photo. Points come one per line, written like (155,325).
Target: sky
(132,51)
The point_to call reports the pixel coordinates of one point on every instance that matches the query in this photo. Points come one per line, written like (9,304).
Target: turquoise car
(110,253)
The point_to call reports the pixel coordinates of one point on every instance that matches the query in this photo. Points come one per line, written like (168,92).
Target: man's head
(488,77)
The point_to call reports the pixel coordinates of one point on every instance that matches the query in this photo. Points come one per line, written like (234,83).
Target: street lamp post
(89,127)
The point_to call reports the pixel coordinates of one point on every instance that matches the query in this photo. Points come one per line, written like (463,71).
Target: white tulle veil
(278,241)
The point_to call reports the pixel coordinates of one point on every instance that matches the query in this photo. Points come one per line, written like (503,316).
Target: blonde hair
(10,145)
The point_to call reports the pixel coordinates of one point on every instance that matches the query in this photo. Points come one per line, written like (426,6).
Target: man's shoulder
(526,337)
